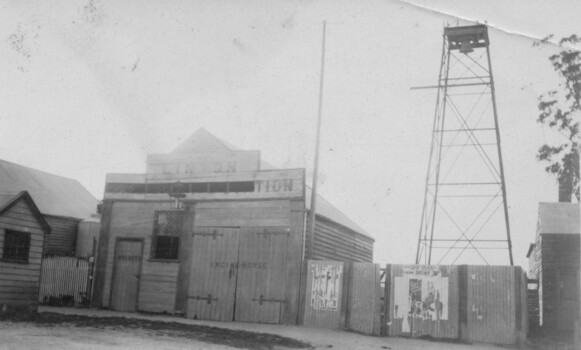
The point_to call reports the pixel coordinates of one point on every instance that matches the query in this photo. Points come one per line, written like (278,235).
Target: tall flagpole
(313,210)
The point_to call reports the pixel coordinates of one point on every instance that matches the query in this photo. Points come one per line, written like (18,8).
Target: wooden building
(554,261)
(213,233)
(63,202)
(22,234)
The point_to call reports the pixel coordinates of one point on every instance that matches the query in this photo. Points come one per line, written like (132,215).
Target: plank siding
(136,220)
(558,251)
(364,303)
(258,213)
(19,282)
(493,301)
(63,238)
(294,262)
(336,242)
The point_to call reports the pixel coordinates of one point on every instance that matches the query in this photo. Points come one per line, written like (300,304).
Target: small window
(16,246)
(218,187)
(241,186)
(166,238)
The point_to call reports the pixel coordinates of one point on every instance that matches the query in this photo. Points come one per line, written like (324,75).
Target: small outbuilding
(212,232)
(554,260)
(22,235)
(63,202)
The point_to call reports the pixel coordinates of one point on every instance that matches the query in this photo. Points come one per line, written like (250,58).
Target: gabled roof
(7,200)
(558,218)
(203,141)
(54,195)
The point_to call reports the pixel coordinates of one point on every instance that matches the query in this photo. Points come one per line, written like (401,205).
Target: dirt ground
(68,329)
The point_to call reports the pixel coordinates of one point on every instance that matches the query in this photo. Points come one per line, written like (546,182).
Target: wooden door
(568,307)
(126,274)
(260,291)
(212,285)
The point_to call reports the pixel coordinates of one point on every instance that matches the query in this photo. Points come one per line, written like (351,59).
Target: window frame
(154,239)
(6,249)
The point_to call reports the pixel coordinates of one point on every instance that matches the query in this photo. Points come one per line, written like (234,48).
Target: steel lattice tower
(465,213)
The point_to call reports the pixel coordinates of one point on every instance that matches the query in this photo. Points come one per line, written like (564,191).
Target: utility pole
(313,210)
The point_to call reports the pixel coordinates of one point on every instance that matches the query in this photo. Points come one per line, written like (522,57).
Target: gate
(261,274)
(238,274)
(64,281)
(213,273)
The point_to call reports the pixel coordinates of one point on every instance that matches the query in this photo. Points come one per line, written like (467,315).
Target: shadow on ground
(234,338)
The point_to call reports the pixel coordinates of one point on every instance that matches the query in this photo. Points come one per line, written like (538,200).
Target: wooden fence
(472,303)
(342,295)
(65,281)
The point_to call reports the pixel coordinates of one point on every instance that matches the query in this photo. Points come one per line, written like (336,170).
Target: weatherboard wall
(19,282)
(63,237)
(158,278)
(337,242)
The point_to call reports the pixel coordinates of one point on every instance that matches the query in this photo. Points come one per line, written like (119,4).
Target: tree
(560,109)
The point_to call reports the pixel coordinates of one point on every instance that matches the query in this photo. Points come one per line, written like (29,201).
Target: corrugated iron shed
(558,218)
(54,195)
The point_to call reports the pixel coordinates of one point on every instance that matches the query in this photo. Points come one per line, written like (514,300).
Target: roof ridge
(40,171)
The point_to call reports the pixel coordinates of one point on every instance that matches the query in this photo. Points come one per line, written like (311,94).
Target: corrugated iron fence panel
(325,306)
(364,304)
(496,300)
(63,281)
(424,301)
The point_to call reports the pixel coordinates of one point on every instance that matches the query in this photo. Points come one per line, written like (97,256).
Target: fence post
(386,301)
(345,304)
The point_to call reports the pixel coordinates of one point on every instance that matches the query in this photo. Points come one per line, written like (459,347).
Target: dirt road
(68,329)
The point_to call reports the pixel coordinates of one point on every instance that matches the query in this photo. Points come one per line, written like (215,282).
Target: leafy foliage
(560,109)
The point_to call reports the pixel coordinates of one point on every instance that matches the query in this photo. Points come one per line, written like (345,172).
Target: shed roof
(558,218)
(54,195)
(7,200)
(203,141)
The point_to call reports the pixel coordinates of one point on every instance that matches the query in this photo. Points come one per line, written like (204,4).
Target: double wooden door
(238,274)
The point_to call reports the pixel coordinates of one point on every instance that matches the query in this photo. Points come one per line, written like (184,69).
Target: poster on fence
(326,285)
(420,293)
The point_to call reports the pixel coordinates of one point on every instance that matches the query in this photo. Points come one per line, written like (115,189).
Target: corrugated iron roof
(53,194)
(558,218)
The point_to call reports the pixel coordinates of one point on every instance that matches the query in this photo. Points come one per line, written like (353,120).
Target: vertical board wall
(423,318)
(479,303)
(364,304)
(496,304)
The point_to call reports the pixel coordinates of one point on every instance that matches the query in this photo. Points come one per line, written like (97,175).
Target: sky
(90,87)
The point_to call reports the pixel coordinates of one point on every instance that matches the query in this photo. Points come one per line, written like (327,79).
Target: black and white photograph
(290,174)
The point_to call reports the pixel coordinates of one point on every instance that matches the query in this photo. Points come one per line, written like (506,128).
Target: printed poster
(326,286)
(420,293)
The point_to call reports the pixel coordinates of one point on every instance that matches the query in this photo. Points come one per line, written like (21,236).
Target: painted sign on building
(326,285)
(420,293)
(203,163)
